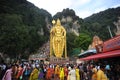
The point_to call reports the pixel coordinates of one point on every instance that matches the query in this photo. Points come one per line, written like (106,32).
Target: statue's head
(58,22)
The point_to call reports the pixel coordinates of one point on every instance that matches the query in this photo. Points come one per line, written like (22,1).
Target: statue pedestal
(55,60)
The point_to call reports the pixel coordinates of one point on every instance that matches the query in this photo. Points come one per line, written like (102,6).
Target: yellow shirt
(77,74)
(57,70)
(34,74)
(62,74)
(101,75)
(94,76)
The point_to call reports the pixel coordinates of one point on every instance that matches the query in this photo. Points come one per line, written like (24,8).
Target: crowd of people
(38,71)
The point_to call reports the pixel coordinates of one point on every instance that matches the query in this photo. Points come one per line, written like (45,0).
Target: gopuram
(96,44)
(58,51)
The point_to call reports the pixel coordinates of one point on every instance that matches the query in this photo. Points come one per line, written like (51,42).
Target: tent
(115,53)
(87,53)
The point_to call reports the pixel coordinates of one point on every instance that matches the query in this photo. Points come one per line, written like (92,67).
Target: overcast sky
(82,8)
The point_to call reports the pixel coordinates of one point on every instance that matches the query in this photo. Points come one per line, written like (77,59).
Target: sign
(112,44)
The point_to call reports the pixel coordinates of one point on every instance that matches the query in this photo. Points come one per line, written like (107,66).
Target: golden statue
(58,40)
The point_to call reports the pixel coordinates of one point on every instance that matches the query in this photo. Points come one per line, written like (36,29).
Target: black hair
(102,66)
(72,66)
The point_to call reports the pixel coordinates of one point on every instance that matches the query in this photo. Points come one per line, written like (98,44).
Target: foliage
(65,13)
(76,43)
(20,22)
(70,42)
(13,34)
(83,41)
(98,23)
(75,52)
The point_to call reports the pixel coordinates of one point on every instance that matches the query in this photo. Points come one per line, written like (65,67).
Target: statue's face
(58,23)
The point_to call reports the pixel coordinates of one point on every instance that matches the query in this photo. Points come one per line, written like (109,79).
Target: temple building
(93,48)
(96,41)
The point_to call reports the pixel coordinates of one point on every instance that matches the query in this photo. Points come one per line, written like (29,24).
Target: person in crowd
(62,73)
(94,75)
(8,73)
(49,73)
(52,71)
(0,72)
(81,71)
(41,74)
(117,71)
(20,72)
(72,73)
(101,73)
(14,71)
(65,72)
(3,67)
(27,71)
(77,73)
(34,73)
(108,71)
(85,72)
(57,72)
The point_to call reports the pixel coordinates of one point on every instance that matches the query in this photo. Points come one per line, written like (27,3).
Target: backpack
(27,72)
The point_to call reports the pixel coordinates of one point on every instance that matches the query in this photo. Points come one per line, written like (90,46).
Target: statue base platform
(55,60)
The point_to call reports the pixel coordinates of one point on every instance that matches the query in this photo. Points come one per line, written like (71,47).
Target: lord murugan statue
(58,40)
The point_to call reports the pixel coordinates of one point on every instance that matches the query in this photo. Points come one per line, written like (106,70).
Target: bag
(27,72)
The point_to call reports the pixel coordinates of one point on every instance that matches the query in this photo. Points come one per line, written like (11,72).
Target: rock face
(42,53)
(117,24)
(71,25)
(69,20)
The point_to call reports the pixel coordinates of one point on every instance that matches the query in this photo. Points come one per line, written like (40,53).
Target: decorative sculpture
(96,41)
(58,40)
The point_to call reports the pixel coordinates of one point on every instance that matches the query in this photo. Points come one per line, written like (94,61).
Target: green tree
(13,34)
(82,41)
(20,27)
(70,42)
(96,27)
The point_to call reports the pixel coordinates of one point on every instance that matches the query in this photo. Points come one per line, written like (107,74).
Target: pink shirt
(7,75)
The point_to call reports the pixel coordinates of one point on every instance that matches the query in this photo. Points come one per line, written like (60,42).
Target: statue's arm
(64,33)
(64,37)
(51,38)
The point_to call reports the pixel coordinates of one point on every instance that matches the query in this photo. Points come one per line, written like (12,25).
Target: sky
(82,8)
